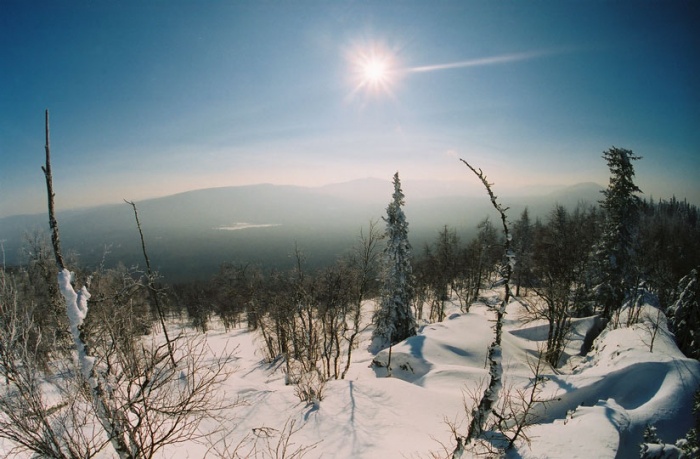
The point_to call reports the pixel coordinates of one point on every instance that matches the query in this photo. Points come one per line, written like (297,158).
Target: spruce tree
(684,315)
(394,319)
(615,250)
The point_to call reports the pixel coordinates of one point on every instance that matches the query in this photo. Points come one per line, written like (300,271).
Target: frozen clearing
(599,403)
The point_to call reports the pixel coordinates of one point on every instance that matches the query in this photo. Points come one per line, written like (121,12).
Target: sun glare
(375,72)
(374,69)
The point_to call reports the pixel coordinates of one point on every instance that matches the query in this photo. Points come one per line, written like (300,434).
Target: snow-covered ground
(599,404)
(598,407)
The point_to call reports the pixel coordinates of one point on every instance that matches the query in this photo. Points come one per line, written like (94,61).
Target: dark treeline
(669,246)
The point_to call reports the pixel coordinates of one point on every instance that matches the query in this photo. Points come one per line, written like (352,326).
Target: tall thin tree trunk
(53,223)
(76,304)
(486,405)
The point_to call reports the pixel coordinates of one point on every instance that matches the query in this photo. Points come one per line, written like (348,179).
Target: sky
(151,98)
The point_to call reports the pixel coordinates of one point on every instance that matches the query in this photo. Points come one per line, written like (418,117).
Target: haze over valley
(189,235)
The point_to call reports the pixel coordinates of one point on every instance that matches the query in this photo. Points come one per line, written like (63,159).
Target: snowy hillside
(598,405)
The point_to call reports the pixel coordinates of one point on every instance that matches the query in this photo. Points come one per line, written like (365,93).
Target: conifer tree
(394,319)
(615,250)
(684,314)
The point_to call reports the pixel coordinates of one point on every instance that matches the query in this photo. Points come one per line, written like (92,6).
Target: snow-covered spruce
(394,319)
(615,250)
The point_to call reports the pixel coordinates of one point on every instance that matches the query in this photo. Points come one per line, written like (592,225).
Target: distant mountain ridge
(184,236)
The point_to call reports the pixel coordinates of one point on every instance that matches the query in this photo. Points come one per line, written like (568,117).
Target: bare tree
(233,291)
(312,320)
(150,395)
(489,399)
(652,323)
(363,261)
(76,306)
(520,408)
(523,248)
(165,404)
(31,421)
(438,271)
(334,295)
(36,288)
(466,284)
(555,280)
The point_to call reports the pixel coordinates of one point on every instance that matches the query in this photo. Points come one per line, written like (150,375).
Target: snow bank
(616,391)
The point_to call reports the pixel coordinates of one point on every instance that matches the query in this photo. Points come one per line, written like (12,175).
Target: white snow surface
(600,403)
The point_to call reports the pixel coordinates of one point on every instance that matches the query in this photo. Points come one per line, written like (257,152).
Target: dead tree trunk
(487,404)
(53,223)
(76,309)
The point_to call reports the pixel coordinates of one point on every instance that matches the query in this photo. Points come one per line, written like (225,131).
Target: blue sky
(155,97)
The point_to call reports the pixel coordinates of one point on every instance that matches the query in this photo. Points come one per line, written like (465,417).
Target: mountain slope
(190,234)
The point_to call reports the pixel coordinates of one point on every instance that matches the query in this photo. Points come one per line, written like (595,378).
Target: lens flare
(374,69)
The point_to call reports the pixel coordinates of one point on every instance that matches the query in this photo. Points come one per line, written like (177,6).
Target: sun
(375,72)
(374,69)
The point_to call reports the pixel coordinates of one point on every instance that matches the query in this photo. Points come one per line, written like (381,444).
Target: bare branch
(151,285)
